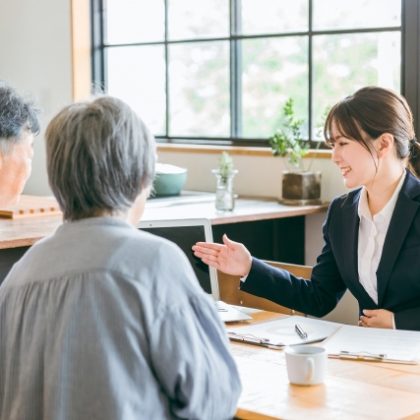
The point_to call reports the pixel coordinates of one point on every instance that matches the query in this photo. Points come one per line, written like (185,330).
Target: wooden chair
(230,293)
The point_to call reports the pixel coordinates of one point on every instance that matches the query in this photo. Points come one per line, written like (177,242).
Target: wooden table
(352,390)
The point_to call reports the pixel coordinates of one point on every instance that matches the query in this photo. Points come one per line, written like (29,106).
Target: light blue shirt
(102,321)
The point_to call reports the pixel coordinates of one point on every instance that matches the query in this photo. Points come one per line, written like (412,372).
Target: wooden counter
(246,210)
(26,231)
(269,229)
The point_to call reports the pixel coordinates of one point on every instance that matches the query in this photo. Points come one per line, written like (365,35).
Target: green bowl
(169,180)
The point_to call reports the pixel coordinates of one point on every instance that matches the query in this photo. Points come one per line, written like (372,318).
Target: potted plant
(300,186)
(225,199)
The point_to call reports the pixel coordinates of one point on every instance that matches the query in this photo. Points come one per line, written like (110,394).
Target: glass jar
(225,198)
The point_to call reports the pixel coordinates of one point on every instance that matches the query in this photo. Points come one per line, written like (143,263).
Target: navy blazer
(336,268)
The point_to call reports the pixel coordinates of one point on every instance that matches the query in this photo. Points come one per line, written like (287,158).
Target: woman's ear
(385,144)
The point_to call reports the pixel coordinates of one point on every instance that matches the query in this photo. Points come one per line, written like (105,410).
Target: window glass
(198,19)
(199,89)
(137,76)
(345,63)
(130,21)
(219,84)
(274,16)
(272,71)
(354,14)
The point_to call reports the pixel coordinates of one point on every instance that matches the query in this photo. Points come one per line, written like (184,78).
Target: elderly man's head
(100,159)
(18,126)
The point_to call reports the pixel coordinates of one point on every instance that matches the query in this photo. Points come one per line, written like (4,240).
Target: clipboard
(374,345)
(279,333)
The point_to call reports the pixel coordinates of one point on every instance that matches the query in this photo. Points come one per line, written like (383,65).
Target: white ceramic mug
(306,365)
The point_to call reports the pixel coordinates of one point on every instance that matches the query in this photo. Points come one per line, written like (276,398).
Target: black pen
(300,332)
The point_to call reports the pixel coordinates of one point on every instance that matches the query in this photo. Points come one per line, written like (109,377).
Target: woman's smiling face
(358,165)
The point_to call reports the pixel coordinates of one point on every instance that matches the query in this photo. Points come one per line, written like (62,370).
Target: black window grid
(410,72)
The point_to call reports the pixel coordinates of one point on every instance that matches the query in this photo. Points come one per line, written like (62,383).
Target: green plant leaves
(288,140)
(225,168)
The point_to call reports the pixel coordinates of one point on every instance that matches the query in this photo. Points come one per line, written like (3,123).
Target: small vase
(225,198)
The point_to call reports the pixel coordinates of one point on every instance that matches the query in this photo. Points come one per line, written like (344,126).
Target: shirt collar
(363,206)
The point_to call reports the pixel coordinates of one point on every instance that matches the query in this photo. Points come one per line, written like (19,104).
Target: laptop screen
(185,233)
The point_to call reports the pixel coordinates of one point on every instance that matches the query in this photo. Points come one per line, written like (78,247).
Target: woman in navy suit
(371,235)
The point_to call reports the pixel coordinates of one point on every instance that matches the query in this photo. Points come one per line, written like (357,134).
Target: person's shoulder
(162,268)
(36,251)
(152,242)
(20,272)
(348,199)
(411,187)
(145,249)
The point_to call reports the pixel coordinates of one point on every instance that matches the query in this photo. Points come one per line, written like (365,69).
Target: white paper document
(343,341)
(230,313)
(375,344)
(285,331)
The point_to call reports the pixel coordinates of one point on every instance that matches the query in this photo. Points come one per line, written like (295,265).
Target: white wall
(257,176)
(35,51)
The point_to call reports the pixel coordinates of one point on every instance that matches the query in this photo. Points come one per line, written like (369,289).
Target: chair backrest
(230,293)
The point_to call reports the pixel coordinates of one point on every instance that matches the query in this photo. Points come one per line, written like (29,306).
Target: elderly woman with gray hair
(101,320)
(18,126)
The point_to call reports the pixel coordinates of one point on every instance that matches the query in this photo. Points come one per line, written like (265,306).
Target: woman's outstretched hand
(230,257)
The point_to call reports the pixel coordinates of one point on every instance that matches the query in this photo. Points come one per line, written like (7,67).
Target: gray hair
(100,156)
(16,116)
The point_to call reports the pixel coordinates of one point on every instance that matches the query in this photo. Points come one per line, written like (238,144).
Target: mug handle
(310,369)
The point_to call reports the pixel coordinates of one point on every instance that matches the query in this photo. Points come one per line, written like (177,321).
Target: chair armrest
(230,292)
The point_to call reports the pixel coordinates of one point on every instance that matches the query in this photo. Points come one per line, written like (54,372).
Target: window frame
(410,66)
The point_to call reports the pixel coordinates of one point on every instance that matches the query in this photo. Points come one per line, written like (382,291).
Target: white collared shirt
(372,232)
